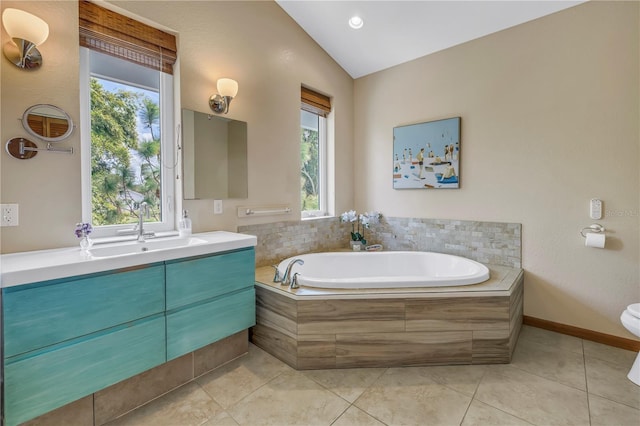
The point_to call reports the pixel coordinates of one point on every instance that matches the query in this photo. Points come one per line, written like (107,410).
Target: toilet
(631,320)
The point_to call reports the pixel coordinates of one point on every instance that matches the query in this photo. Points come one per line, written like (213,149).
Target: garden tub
(393,269)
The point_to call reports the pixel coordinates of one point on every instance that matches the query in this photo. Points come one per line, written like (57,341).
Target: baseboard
(594,336)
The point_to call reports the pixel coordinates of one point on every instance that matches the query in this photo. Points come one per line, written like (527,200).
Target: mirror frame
(25,123)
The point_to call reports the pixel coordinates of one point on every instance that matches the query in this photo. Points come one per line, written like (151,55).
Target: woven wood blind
(315,102)
(125,38)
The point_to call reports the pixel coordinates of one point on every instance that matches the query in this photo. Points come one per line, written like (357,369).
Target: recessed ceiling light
(356,22)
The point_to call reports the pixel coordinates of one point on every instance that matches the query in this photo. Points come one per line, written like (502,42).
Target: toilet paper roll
(595,240)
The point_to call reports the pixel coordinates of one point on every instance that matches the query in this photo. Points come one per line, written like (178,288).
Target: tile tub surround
(495,243)
(117,400)
(316,328)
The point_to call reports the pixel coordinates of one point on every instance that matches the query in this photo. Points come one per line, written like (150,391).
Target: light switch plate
(595,209)
(8,215)
(217,206)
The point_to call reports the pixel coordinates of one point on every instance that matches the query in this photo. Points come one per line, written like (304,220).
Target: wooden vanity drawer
(201,324)
(195,280)
(41,314)
(46,379)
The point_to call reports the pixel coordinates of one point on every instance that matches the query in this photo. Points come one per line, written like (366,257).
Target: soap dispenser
(184,226)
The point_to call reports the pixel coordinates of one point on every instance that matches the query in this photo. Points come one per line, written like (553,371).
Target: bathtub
(315,328)
(393,269)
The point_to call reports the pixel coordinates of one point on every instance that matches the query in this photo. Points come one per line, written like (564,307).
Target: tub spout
(286,278)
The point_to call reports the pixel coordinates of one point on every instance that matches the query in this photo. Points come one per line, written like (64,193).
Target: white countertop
(43,265)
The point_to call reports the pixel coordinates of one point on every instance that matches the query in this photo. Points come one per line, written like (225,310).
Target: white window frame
(168,164)
(323,170)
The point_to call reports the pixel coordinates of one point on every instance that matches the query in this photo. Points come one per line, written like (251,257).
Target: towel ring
(596,228)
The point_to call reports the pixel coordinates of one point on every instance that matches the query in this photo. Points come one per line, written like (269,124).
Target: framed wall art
(427,155)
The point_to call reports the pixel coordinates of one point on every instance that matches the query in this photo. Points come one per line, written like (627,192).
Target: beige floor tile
(462,378)
(551,339)
(407,396)
(532,398)
(289,399)
(606,413)
(186,406)
(609,353)
(610,381)
(222,419)
(347,383)
(561,366)
(237,379)
(480,414)
(356,417)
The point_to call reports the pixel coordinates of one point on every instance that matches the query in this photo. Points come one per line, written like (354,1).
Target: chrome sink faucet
(286,278)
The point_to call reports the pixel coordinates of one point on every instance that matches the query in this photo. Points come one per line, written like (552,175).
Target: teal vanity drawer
(43,380)
(42,314)
(196,326)
(195,280)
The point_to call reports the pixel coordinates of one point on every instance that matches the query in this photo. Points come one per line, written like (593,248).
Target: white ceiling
(399,31)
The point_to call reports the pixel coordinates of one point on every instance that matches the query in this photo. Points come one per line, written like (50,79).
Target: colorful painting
(427,155)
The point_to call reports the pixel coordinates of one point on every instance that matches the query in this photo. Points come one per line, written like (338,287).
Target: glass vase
(85,243)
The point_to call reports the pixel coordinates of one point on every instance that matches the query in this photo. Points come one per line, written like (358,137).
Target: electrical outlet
(217,206)
(9,215)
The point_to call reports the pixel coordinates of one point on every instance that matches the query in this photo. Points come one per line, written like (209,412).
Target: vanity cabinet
(209,298)
(67,338)
(43,314)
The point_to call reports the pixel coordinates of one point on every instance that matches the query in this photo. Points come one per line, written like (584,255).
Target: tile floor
(553,379)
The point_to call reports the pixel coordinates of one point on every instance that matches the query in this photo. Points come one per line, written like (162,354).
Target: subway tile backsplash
(495,243)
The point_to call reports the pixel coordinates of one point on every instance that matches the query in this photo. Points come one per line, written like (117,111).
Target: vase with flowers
(82,231)
(359,222)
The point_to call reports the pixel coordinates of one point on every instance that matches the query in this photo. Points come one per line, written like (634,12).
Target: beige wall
(47,187)
(549,120)
(256,43)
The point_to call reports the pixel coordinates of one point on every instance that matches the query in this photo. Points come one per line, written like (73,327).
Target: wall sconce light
(26,31)
(227,90)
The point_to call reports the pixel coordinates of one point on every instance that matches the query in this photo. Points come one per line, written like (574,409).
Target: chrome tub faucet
(286,278)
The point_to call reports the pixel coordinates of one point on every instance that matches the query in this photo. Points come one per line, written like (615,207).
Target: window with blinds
(313,153)
(127,97)
(113,34)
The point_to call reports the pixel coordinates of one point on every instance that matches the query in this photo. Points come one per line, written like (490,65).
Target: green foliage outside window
(125,168)
(310,162)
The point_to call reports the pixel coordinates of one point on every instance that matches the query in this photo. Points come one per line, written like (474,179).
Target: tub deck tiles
(308,331)
(402,349)
(466,313)
(350,316)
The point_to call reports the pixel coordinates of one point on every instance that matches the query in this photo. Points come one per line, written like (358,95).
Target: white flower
(350,216)
(373,217)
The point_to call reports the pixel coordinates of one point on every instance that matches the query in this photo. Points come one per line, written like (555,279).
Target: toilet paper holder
(595,228)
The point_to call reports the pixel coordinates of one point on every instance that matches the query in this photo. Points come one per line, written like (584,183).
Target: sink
(123,249)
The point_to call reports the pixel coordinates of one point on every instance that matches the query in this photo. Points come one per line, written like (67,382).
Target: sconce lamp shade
(25,26)
(27,31)
(227,87)
(227,90)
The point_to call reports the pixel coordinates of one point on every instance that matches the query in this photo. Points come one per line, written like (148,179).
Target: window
(127,122)
(313,153)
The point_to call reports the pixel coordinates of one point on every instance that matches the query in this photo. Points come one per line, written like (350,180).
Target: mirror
(214,156)
(47,122)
